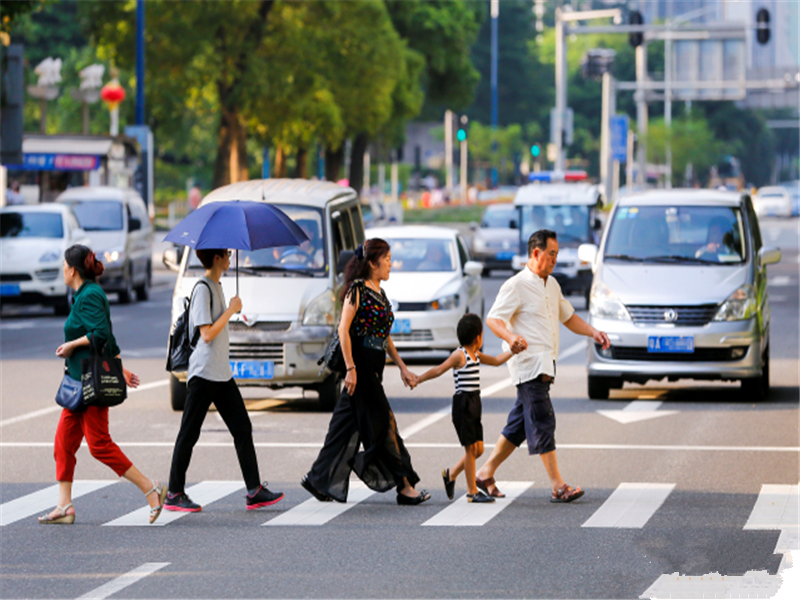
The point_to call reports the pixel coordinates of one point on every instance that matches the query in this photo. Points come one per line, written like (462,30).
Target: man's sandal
(64,519)
(161,490)
(566,494)
(484,485)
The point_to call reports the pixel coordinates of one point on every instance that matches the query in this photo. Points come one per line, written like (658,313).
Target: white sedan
(773,200)
(32,244)
(433,283)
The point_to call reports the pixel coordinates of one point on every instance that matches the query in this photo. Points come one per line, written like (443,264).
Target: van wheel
(126,294)
(177,393)
(143,291)
(329,392)
(757,388)
(599,387)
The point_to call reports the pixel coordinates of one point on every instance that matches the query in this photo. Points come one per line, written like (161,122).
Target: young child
(466,362)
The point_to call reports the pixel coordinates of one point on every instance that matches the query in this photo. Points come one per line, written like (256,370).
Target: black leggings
(226,397)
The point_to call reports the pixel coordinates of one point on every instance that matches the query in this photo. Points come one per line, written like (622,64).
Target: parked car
(432,285)
(773,201)
(572,211)
(495,242)
(680,286)
(289,294)
(793,187)
(33,239)
(117,223)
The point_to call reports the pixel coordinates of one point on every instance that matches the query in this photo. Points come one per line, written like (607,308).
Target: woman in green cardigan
(90,314)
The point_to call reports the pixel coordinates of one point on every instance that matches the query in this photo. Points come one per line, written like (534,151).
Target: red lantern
(112,94)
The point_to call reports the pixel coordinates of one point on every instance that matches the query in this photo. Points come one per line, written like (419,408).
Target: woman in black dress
(363,415)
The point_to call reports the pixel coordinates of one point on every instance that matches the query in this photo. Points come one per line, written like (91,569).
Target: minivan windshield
(570,222)
(499,217)
(98,215)
(422,255)
(309,258)
(31,224)
(677,234)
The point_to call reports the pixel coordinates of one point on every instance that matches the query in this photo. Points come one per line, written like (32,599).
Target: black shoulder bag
(102,378)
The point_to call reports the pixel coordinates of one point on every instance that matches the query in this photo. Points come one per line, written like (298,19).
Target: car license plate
(401,326)
(676,344)
(9,289)
(253,369)
(504,255)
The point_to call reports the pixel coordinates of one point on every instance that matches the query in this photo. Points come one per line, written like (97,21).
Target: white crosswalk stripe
(204,493)
(466,514)
(630,506)
(778,507)
(120,583)
(45,500)
(314,512)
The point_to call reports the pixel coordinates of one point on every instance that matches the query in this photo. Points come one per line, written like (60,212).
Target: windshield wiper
(624,257)
(274,269)
(569,236)
(679,258)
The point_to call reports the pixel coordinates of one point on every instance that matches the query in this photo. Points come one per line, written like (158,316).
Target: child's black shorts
(467,417)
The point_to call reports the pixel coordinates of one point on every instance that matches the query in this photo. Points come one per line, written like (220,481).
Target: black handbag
(333,359)
(102,378)
(70,394)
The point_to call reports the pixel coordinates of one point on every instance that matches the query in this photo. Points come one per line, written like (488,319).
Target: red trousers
(92,424)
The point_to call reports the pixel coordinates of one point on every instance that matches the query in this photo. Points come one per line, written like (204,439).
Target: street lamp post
(495,16)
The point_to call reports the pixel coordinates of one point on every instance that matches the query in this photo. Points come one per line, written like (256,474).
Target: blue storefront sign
(57,162)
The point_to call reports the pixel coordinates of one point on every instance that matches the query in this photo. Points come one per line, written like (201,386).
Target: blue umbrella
(240,225)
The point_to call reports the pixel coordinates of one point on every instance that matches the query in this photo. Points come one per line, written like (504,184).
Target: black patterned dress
(362,434)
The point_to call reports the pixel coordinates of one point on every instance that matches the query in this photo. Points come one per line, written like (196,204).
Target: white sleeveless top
(468,377)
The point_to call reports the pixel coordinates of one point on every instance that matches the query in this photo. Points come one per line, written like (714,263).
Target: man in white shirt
(525,315)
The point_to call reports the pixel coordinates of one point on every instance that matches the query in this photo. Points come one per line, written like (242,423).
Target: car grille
(699,354)
(685,315)
(262,326)
(48,274)
(416,335)
(412,306)
(15,277)
(245,351)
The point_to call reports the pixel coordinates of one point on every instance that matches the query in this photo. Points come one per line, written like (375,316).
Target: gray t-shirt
(209,360)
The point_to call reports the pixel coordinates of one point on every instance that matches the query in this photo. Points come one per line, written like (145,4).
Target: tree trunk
(357,162)
(333,163)
(280,163)
(230,165)
(301,164)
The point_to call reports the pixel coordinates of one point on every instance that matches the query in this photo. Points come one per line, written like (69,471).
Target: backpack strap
(196,335)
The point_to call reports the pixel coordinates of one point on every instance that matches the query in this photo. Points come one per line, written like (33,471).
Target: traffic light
(461,134)
(536,150)
(635,18)
(762,26)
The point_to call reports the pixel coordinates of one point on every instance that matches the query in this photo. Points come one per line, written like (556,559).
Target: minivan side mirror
(344,258)
(170,259)
(473,268)
(768,256)
(512,224)
(473,226)
(134,224)
(587,253)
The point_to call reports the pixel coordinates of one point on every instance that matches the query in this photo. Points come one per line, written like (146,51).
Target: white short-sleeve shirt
(532,307)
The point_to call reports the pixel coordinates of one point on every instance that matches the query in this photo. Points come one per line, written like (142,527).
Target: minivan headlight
(604,304)
(740,305)
(445,303)
(320,310)
(114,256)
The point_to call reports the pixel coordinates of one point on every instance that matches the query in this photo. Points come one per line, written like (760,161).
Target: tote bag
(102,378)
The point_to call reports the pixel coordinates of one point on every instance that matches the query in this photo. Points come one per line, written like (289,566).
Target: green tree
(691,141)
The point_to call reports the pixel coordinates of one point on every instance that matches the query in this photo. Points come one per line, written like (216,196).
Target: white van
(572,211)
(289,294)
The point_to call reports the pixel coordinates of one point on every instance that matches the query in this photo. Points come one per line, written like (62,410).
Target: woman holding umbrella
(363,415)
(210,379)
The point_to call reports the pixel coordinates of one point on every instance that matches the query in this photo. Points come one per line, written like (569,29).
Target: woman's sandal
(566,494)
(484,484)
(161,490)
(64,519)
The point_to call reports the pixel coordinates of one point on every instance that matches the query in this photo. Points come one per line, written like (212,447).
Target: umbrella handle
(237,271)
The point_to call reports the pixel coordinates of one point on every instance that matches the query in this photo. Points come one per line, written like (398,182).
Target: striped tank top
(468,377)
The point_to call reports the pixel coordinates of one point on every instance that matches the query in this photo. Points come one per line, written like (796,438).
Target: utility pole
(609,108)
(668,105)
(448,152)
(641,110)
(463,173)
(629,161)
(140,62)
(495,16)
(561,88)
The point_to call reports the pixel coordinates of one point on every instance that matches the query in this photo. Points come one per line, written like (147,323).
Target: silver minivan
(680,286)
(289,294)
(116,221)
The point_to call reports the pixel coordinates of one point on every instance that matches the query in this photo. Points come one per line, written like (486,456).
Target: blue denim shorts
(532,418)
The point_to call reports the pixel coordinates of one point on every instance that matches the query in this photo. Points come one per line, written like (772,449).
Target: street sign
(619,137)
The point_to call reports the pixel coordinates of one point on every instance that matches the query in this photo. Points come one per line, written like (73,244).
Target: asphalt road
(677,491)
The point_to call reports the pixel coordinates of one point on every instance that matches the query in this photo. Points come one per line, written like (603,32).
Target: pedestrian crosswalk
(631,505)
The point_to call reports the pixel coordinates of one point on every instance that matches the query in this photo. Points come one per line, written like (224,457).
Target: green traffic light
(461,135)
(535,151)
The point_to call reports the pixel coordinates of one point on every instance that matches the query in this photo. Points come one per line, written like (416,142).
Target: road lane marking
(776,507)
(56,408)
(123,581)
(636,411)
(466,514)
(630,506)
(44,500)
(779,281)
(422,424)
(314,512)
(203,493)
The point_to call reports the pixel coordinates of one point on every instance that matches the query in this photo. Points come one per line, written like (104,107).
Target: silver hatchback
(680,286)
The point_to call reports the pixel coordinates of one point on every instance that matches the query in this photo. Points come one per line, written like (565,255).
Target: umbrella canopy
(239,224)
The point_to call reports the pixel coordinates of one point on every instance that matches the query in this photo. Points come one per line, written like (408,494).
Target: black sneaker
(263,497)
(449,486)
(481,497)
(314,491)
(180,503)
